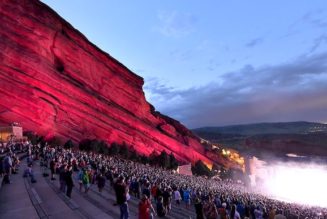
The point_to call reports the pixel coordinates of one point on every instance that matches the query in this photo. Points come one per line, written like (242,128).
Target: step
(51,204)
(176,212)
(15,200)
(78,203)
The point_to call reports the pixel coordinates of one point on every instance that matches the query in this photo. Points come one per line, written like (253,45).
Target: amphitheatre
(79,139)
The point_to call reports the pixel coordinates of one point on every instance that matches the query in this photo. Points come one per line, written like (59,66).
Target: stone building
(13,131)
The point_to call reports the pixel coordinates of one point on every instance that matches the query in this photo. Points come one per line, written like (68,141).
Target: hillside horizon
(296,127)
(275,139)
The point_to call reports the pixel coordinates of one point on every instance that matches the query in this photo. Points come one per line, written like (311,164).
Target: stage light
(304,184)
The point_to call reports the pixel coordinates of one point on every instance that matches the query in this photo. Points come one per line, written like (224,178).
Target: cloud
(313,18)
(318,42)
(182,55)
(176,24)
(254,42)
(286,92)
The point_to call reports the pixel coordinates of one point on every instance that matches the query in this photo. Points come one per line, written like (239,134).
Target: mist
(302,183)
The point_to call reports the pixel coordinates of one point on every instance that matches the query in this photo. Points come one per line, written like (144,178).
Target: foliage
(114,149)
(173,163)
(201,169)
(144,159)
(153,158)
(163,160)
(85,145)
(54,141)
(69,144)
(124,151)
(32,137)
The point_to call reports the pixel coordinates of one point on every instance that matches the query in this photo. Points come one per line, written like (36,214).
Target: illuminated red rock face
(55,82)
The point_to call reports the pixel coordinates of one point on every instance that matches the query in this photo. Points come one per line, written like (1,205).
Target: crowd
(9,159)
(159,189)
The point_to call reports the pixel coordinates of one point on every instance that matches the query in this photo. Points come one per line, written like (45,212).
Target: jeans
(124,211)
(62,186)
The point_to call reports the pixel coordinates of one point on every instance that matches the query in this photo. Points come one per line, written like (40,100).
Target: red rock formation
(54,81)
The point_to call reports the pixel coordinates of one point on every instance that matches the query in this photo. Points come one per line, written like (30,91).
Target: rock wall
(55,82)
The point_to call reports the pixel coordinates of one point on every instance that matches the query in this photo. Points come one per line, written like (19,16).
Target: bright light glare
(305,184)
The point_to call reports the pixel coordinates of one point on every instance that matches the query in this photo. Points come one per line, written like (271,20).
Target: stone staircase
(23,199)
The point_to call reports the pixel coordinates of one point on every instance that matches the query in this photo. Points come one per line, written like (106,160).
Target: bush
(201,169)
(124,151)
(173,164)
(114,149)
(85,145)
(55,141)
(69,144)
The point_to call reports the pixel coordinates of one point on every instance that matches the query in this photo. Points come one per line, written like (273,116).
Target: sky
(216,63)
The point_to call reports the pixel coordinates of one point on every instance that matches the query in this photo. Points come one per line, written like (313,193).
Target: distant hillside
(267,128)
(302,138)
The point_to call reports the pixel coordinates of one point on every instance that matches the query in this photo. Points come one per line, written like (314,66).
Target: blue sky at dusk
(214,63)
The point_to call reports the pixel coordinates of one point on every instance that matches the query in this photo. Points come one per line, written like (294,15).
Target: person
(29,173)
(234,213)
(222,211)
(210,209)
(272,213)
(7,165)
(258,213)
(146,190)
(187,198)
(177,197)
(101,181)
(62,177)
(279,215)
(167,199)
(86,180)
(53,168)
(161,211)
(69,181)
(198,208)
(145,208)
(80,179)
(121,190)
(154,192)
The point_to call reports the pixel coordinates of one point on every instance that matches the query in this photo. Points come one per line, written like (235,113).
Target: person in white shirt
(177,197)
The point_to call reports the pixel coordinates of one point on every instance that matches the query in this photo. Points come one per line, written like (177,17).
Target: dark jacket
(121,192)
(69,179)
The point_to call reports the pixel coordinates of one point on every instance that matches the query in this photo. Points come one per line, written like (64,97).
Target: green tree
(124,152)
(153,158)
(163,159)
(200,169)
(55,141)
(144,159)
(173,164)
(114,149)
(134,155)
(215,169)
(32,137)
(69,144)
(103,148)
(95,145)
(85,145)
